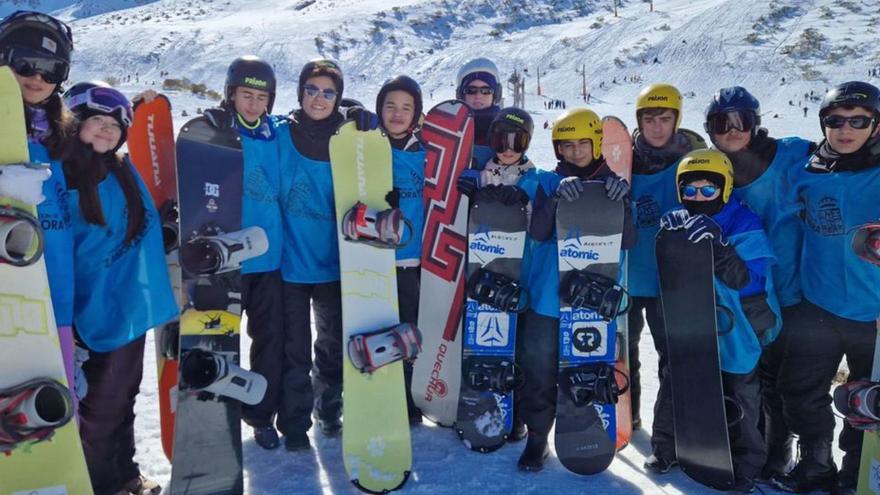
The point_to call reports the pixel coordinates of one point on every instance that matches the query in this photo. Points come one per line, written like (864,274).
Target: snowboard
(617,147)
(448,136)
(496,241)
(866,244)
(151,150)
(375,436)
(207,428)
(689,311)
(36,404)
(589,234)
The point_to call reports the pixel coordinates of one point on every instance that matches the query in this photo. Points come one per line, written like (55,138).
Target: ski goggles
(838,121)
(483,90)
(740,120)
(104,100)
(28,63)
(313,91)
(503,140)
(707,191)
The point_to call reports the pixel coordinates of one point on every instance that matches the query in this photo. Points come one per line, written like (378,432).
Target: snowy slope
(700,45)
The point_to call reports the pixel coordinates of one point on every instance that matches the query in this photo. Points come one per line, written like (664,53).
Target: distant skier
(835,193)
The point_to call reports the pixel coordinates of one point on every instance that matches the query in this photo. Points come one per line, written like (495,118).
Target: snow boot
(536,451)
(296,442)
(142,486)
(779,460)
(845,484)
(519,430)
(330,427)
(660,464)
(266,437)
(814,471)
(742,484)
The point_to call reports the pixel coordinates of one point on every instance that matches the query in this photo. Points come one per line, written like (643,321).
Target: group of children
(779,214)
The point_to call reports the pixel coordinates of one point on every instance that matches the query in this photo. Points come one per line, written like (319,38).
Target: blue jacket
(122,290)
(409,180)
(653,195)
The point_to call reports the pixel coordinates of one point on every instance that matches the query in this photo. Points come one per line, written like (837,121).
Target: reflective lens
(483,90)
(104,100)
(691,191)
(722,123)
(54,71)
(857,122)
(502,140)
(312,91)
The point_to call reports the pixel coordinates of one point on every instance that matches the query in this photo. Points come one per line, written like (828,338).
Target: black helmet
(88,98)
(321,67)
(401,83)
(252,72)
(850,94)
(33,42)
(511,120)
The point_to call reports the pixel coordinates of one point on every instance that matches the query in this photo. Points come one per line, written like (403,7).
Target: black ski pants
(408,287)
(654,315)
(107,416)
(773,424)
(300,394)
(747,447)
(261,300)
(537,355)
(812,356)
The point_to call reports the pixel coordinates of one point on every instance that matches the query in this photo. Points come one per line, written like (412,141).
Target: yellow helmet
(712,161)
(661,95)
(578,123)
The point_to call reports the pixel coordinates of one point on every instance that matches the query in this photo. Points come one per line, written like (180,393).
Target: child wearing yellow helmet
(743,284)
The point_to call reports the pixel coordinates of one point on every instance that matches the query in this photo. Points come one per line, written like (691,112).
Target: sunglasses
(312,91)
(52,70)
(722,123)
(706,191)
(501,141)
(483,90)
(857,122)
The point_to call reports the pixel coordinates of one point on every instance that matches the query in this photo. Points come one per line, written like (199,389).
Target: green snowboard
(375,436)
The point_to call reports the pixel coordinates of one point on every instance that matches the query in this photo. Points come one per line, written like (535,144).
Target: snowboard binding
(373,350)
(32,411)
(593,384)
(866,243)
(219,252)
(497,290)
(214,374)
(585,289)
(496,375)
(384,229)
(169,215)
(21,237)
(859,402)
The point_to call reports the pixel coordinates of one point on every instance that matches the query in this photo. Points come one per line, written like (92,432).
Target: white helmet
(479,65)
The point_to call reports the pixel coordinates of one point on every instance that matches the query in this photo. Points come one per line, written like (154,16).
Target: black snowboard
(207,442)
(689,310)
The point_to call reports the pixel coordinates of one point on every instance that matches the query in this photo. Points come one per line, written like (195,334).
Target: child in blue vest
(835,193)
(743,284)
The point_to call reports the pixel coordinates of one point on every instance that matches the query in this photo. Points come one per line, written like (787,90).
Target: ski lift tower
(516,84)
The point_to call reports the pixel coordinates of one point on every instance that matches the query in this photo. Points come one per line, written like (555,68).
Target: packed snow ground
(700,45)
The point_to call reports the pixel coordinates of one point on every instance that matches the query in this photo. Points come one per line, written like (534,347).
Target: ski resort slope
(699,45)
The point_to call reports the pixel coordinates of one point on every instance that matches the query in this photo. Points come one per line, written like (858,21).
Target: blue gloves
(616,188)
(570,189)
(674,220)
(364,119)
(468,182)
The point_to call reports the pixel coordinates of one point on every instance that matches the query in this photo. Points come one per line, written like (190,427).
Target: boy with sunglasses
(835,193)
(658,145)
(577,141)
(743,284)
(479,86)
(761,169)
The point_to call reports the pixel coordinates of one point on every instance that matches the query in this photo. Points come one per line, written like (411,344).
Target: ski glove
(24,182)
(468,182)
(701,227)
(364,119)
(80,384)
(219,118)
(393,198)
(570,189)
(616,188)
(674,220)
(507,195)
